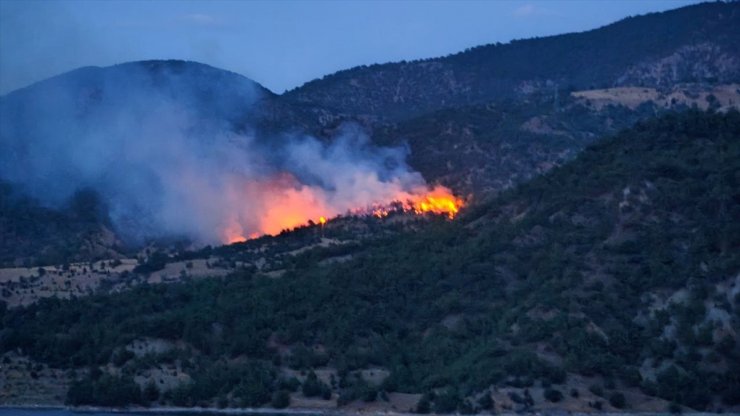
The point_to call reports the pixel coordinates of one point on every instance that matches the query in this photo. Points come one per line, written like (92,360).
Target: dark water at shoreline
(10,411)
(60,412)
(64,412)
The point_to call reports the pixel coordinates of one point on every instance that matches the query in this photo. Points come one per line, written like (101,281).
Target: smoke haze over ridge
(156,141)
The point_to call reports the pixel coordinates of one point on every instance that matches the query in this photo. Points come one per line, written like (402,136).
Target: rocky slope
(486,148)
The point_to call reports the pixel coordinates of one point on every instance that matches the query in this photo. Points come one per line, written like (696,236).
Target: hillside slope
(36,235)
(696,43)
(87,129)
(71,126)
(483,149)
(479,122)
(608,283)
(206,90)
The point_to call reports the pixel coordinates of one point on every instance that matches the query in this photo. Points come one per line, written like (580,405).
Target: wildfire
(381,212)
(439,201)
(232,236)
(281,203)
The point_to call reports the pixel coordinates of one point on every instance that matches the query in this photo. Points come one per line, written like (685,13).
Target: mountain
(547,88)
(486,148)
(493,116)
(479,122)
(208,91)
(693,44)
(85,110)
(594,267)
(608,283)
(66,134)
(502,118)
(481,150)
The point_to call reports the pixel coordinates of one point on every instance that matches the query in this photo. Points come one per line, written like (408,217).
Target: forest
(583,261)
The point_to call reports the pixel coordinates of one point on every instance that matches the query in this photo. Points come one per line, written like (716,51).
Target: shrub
(617,400)
(553,395)
(596,389)
(121,356)
(314,387)
(466,408)
(280,399)
(150,393)
(370,395)
(446,402)
(290,384)
(486,402)
(424,406)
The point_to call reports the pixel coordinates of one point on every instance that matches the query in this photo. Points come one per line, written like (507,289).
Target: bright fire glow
(439,201)
(282,203)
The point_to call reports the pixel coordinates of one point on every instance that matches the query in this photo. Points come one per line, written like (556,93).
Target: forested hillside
(697,43)
(479,122)
(484,149)
(33,234)
(608,283)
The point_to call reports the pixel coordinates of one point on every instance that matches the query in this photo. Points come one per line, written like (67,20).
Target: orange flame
(281,203)
(232,236)
(439,201)
(380,212)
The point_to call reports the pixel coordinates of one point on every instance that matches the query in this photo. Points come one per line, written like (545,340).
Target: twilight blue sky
(280,44)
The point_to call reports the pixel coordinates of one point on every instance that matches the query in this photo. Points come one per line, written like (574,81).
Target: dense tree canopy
(572,259)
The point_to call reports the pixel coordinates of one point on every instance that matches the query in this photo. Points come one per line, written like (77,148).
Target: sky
(281,44)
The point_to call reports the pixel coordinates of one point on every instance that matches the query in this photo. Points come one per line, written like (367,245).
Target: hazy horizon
(281,45)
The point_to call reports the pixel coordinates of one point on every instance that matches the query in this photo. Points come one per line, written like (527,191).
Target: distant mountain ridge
(692,44)
(212,92)
(696,43)
(52,133)
(479,121)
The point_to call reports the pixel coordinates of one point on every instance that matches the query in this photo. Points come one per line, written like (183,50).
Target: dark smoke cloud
(158,142)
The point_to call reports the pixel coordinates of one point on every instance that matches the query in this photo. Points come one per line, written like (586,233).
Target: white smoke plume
(158,144)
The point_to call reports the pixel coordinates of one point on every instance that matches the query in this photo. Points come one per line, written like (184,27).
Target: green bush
(424,406)
(447,402)
(486,402)
(553,395)
(280,399)
(313,387)
(617,400)
(150,392)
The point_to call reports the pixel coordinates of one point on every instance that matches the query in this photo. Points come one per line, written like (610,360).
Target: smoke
(158,142)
